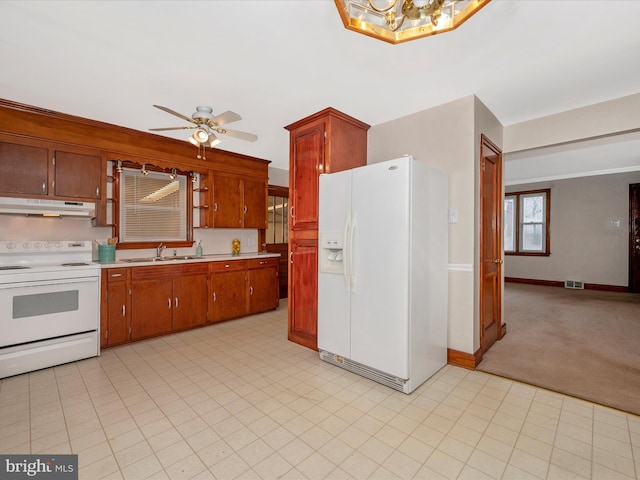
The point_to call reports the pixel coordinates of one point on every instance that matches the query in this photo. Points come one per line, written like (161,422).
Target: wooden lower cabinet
(228,290)
(243,287)
(303,293)
(263,284)
(116,307)
(167,298)
(147,301)
(190,301)
(151,312)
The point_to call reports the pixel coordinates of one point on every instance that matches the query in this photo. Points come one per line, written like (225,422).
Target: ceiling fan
(206,125)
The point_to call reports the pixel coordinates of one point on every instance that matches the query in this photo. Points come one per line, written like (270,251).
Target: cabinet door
(151,307)
(303,293)
(78,175)
(228,295)
(227,201)
(306,165)
(189,301)
(255,203)
(263,289)
(24,169)
(118,327)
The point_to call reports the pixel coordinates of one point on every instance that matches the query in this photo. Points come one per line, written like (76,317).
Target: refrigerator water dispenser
(331,252)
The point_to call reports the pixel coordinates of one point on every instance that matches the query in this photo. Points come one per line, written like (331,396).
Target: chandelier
(397,21)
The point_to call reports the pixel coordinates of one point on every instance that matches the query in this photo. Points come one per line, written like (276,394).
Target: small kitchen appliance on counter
(49,304)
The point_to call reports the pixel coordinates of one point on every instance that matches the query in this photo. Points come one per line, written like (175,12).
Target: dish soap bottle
(199,249)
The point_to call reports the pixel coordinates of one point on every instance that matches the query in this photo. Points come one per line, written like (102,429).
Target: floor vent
(574,284)
(367,372)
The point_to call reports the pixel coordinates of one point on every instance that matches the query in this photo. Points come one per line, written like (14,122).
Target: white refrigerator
(382,273)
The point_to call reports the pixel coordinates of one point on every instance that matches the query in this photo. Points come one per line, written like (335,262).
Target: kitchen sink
(159,259)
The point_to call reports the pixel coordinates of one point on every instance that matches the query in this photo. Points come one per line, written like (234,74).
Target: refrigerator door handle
(352,231)
(345,250)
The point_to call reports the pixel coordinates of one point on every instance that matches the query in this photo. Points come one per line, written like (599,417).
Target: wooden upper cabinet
(239,202)
(308,149)
(326,142)
(78,175)
(227,201)
(255,203)
(24,169)
(35,168)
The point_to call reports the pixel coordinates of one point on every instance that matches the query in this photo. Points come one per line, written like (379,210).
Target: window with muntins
(277,219)
(153,207)
(526,222)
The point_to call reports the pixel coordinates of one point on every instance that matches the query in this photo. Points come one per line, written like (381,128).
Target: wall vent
(577,284)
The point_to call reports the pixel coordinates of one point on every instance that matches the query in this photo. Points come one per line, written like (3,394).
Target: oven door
(45,309)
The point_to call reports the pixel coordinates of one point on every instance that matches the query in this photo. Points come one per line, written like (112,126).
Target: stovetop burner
(13,267)
(74,264)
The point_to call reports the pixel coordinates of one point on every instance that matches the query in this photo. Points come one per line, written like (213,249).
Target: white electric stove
(49,304)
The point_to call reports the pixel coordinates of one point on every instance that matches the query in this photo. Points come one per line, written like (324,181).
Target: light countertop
(212,257)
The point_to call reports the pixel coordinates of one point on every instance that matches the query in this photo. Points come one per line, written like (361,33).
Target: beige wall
(584,244)
(606,118)
(448,137)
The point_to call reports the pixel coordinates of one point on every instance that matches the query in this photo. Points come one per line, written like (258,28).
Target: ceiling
(276,61)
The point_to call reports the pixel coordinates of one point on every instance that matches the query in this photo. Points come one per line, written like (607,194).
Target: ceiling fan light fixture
(201,135)
(213,140)
(193,140)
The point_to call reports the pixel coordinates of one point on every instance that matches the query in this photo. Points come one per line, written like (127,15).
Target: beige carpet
(583,343)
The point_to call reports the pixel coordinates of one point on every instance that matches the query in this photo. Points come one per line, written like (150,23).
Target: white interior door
(379,298)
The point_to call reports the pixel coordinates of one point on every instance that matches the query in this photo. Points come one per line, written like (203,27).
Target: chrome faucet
(159,250)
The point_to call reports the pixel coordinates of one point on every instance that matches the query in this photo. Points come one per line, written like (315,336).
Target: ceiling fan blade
(172,112)
(249,137)
(224,118)
(172,128)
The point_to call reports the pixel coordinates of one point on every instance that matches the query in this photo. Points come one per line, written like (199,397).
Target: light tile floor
(237,400)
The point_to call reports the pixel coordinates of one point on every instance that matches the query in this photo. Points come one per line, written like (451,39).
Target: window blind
(153,207)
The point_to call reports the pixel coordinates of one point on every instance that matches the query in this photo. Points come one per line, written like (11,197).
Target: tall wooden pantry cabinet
(326,142)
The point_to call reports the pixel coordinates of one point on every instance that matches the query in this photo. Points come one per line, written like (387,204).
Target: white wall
(585,245)
(279,177)
(444,137)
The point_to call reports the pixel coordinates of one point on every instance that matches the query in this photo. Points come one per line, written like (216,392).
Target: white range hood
(53,208)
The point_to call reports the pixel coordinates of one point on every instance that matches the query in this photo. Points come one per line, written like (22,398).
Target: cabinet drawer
(227,266)
(117,274)
(168,270)
(264,262)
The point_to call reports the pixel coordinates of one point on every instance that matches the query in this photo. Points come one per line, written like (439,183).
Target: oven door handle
(47,283)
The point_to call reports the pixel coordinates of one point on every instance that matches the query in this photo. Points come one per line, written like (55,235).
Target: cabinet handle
(97,192)
(226,265)
(124,311)
(176,302)
(214,296)
(44,187)
(215,206)
(262,262)
(114,275)
(245,209)
(290,257)
(291,211)
(169,301)
(251,290)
